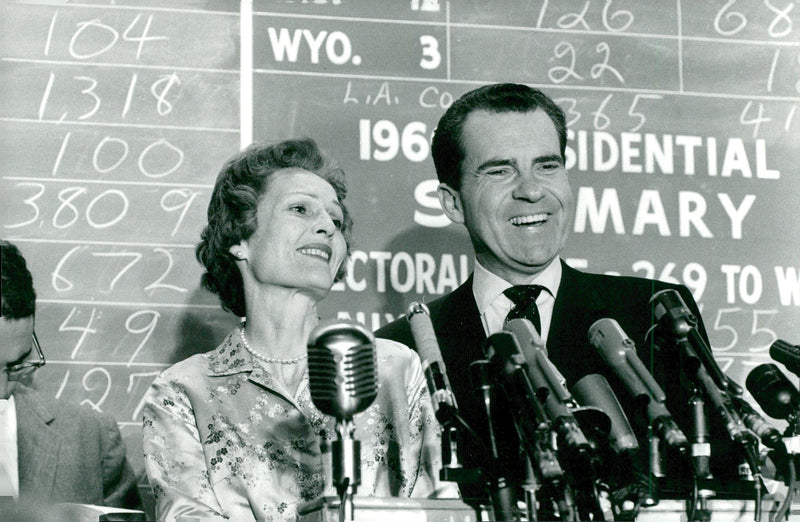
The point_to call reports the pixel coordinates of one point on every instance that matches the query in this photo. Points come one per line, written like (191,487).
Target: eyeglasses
(25,368)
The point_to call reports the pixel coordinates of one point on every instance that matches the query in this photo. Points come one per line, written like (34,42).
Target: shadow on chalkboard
(201,330)
(450,251)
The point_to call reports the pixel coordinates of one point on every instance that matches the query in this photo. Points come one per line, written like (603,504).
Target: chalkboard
(116,116)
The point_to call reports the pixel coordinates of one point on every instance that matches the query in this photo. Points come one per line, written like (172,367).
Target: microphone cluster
(572,437)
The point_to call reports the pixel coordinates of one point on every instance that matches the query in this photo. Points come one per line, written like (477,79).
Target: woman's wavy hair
(234,204)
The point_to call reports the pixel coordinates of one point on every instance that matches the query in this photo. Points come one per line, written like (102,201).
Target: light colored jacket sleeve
(174,458)
(426,436)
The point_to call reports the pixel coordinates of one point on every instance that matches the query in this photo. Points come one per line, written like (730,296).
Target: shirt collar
(230,357)
(486,286)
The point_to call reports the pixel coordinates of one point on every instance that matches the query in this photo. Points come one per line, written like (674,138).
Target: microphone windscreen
(503,352)
(594,390)
(419,320)
(786,354)
(342,368)
(670,310)
(480,376)
(773,391)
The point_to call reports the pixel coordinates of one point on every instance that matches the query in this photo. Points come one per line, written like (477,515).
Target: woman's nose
(325,224)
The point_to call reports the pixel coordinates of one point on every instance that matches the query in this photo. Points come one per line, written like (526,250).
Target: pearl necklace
(292,360)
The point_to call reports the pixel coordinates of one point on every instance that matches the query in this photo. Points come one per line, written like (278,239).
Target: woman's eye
(300,209)
(338,223)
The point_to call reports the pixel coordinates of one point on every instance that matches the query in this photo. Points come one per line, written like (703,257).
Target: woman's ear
(239,251)
(450,199)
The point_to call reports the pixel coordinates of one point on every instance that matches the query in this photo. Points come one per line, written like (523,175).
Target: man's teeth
(315,252)
(528,220)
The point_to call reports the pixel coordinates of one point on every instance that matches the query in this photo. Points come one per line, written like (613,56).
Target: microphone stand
(501,493)
(702,370)
(733,423)
(346,465)
(343,382)
(533,427)
(442,397)
(701,456)
(453,426)
(592,494)
(792,444)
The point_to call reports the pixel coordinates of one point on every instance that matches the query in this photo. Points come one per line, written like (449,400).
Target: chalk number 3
(431,58)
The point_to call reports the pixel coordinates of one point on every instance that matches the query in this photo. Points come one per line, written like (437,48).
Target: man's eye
(551,165)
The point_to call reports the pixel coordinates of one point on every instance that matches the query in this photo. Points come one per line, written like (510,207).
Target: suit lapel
(578,304)
(460,331)
(38,444)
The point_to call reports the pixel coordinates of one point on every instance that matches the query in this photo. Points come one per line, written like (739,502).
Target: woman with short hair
(233,433)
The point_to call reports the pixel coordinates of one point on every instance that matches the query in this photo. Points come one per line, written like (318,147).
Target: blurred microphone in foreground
(786,354)
(774,392)
(343,381)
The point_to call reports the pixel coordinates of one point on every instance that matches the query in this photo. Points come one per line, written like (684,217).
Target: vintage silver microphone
(343,381)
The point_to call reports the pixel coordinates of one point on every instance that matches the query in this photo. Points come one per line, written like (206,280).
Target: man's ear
(450,199)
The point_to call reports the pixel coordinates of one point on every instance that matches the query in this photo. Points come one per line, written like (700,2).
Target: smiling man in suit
(499,153)
(49,452)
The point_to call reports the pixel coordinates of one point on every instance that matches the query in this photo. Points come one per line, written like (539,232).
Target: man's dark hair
(447,149)
(17,297)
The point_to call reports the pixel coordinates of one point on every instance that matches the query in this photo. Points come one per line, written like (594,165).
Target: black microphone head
(502,349)
(786,354)
(671,312)
(342,368)
(480,375)
(773,391)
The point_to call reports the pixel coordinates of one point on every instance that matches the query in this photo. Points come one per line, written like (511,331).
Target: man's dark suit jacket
(582,299)
(70,454)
